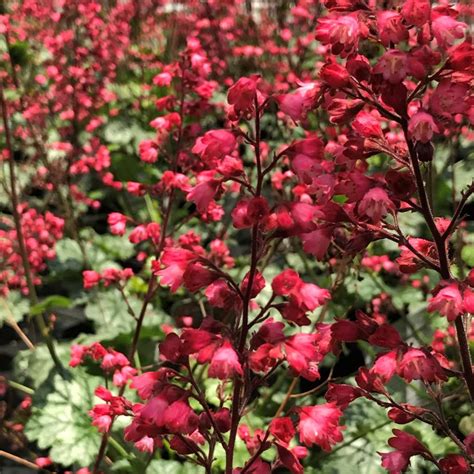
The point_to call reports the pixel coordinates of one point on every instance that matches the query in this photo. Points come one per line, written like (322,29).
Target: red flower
(416,12)
(391,27)
(117,223)
(454,464)
(447,301)
(282,429)
(406,446)
(175,261)
(242,94)
(335,75)
(375,204)
(422,127)
(225,363)
(342,395)
(319,425)
(342,33)
(215,145)
(447,30)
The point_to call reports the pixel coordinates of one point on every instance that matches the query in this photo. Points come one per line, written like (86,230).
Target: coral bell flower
(375,204)
(448,302)
(215,144)
(242,94)
(319,425)
(335,75)
(225,363)
(422,127)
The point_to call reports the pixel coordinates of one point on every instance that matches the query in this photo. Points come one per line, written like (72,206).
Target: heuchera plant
(312,131)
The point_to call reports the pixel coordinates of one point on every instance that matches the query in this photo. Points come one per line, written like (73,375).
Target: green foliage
(34,367)
(49,303)
(60,420)
(112,317)
(13,305)
(19,53)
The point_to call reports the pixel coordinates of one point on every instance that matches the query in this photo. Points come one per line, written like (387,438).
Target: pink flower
(43,462)
(416,12)
(335,75)
(375,204)
(204,192)
(303,355)
(225,363)
(146,445)
(393,66)
(447,301)
(385,366)
(391,27)
(447,30)
(145,384)
(215,144)
(148,151)
(422,127)
(311,296)
(139,234)
(450,98)
(319,425)
(367,125)
(101,417)
(162,79)
(174,260)
(242,94)
(419,364)
(342,33)
(117,223)
(180,418)
(454,464)
(297,104)
(90,279)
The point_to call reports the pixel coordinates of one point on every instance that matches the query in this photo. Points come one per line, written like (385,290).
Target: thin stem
(444,270)
(17,459)
(287,397)
(21,387)
(202,400)
(236,400)
(14,325)
(39,318)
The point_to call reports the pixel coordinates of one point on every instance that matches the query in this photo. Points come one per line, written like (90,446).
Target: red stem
(441,242)
(236,396)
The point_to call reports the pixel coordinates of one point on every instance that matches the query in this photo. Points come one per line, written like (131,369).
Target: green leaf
(33,368)
(19,53)
(14,305)
(165,466)
(467,254)
(466,425)
(60,421)
(51,302)
(111,316)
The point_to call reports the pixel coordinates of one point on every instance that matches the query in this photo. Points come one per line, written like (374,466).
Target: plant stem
(39,318)
(17,459)
(444,270)
(21,387)
(238,385)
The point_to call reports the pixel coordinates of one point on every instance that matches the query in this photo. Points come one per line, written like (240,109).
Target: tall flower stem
(441,247)
(39,318)
(254,257)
